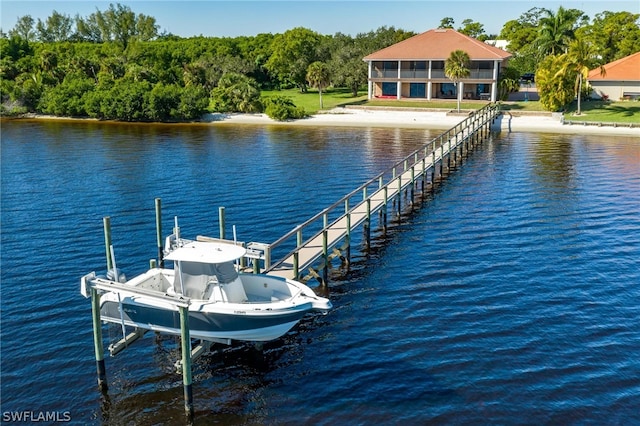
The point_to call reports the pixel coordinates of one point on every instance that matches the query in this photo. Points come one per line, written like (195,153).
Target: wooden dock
(330,230)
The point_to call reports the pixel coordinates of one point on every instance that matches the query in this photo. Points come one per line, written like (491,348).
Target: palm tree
(318,76)
(556,31)
(456,67)
(579,60)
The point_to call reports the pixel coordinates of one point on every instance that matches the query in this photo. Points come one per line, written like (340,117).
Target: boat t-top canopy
(206,252)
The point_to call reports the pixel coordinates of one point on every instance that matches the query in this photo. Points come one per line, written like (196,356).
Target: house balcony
(424,74)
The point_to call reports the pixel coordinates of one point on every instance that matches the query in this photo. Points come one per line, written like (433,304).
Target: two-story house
(414,68)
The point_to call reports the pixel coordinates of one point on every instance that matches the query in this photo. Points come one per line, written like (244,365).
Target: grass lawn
(310,101)
(605,112)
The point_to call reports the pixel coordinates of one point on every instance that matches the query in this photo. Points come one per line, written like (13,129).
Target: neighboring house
(500,44)
(621,80)
(414,68)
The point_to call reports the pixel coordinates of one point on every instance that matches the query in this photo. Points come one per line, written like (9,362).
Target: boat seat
(212,283)
(234,291)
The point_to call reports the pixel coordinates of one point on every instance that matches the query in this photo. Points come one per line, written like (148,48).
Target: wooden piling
(384,209)
(185,337)
(347,237)
(367,224)
(296,254)
(97,340)
(221,221)
(159,232)
(325,247)
(399,197)
(106,221)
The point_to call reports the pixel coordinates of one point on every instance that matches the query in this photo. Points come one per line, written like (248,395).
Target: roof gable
(437,45)
(624,69)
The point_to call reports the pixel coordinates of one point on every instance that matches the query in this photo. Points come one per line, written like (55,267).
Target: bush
(282,108)
(236,93)
(67,98)
(193,103)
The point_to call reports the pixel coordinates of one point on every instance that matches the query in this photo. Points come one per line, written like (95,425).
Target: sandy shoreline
(409,118)
(366,117)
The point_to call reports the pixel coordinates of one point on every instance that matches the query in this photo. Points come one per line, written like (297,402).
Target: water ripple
(509,297)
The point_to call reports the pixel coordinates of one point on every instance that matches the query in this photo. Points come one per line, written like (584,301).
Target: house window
(417,90)
(448,90)
(389,89)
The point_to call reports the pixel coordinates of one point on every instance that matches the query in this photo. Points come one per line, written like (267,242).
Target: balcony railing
(424,74)
(414,74)
(482,74)
(385,73)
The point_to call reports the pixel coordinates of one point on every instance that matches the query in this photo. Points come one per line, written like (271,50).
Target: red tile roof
(437,45)
(624,69)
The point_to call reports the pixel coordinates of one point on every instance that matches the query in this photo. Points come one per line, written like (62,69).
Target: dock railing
(333,225)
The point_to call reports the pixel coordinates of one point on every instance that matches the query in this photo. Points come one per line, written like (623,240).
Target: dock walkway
(334,225)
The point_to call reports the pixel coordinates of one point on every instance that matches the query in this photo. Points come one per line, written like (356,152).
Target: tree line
(115,64)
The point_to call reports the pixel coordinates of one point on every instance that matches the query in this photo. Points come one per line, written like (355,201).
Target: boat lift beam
(200,349)
(122,344)
(90,285)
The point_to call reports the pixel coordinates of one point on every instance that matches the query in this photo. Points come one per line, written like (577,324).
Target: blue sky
(219,18)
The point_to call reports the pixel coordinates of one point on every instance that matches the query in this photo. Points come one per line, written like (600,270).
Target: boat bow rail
(92,281)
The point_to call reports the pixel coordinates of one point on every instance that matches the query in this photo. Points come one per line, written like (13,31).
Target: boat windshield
(226,272)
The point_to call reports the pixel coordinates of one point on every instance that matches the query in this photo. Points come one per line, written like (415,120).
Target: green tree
(66,98)
(24,29)
(613,35)
(557,30)
(293,52)
(446,23)
(193,103)
(127,101)
(473,29)
(57,27)
(88,29)
(164,100)
(318,75)
(554,87)
(236,93)
(348,69)
(119,24)
(522,32)
(578,61)
(456,68)
(508,82)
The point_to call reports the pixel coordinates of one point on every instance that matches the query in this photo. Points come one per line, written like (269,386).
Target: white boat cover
(206,252)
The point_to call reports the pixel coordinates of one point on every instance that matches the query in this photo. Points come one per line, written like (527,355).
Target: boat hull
(239,323)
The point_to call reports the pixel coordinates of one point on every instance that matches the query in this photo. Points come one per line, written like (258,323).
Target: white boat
(223,303)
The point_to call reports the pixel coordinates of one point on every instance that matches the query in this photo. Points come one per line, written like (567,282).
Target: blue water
(511,295)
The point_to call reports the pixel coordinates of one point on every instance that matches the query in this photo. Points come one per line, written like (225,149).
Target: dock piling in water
(221,221)
(158,203)
(106,223)
(185,339)
(97,340)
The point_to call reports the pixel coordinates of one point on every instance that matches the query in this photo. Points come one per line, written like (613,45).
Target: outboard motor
(111,275)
